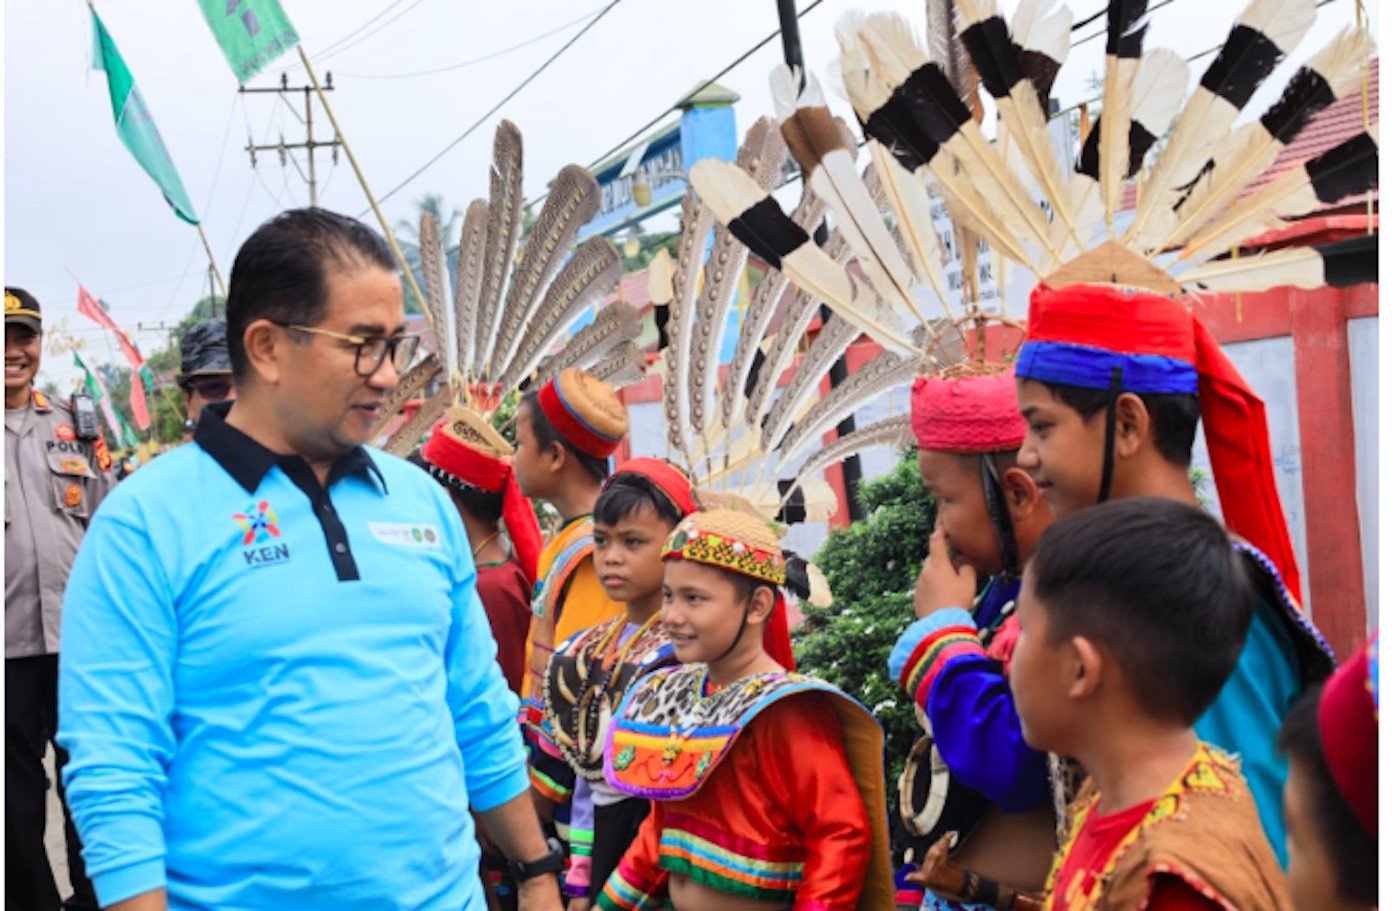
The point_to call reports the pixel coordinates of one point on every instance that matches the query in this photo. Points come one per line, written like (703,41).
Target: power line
(370,34)
(475,60)
(502,103)
(355,31)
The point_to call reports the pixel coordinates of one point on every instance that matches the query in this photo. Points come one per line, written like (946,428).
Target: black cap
(22,308)
(204,350)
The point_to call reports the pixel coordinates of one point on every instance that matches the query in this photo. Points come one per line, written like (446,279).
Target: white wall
(1363,336)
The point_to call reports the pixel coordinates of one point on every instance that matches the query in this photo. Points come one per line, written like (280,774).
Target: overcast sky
(77,206)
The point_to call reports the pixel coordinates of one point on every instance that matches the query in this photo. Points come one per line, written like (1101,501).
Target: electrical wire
(475,60)
(355,31)
(500,104)
(365,37)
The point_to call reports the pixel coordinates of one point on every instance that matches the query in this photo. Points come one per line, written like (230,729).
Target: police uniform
(53,484)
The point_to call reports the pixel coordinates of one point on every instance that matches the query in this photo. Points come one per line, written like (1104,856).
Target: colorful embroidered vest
(1204,830)
(586,680)
(669,735)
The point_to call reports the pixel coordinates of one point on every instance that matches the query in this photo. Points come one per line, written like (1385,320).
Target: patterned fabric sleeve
(580,842)
(823,800)
(941,664)
(638,883)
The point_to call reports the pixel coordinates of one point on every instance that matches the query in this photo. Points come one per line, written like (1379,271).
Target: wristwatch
(552,862)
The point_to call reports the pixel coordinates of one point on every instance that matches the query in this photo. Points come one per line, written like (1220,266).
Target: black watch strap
(552,862)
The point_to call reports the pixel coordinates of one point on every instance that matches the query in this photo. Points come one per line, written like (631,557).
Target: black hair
(1353,852)
(1003,460)
(480,504)
(280,271)
(1174,416)
(629,493)
(1159,586)
(545,434)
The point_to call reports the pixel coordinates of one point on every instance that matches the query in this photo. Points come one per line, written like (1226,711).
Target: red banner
(89,307)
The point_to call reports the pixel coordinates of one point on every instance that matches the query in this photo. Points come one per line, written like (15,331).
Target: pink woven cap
(970,414)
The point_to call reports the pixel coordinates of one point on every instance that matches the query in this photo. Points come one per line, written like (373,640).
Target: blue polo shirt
(278,695)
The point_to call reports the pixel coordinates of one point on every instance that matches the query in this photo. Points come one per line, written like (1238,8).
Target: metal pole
(310,147)
(850,468)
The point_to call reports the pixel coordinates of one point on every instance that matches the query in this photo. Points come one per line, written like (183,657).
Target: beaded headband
(731,541)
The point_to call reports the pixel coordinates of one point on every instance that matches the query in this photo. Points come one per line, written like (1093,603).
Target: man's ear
(761,605)
(1020,491)
(1132,426)
(261,341)
(1087,667)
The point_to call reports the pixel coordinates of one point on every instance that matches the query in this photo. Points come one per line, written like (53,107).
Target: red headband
(572,426)
(970,414)
(493,475)
(669,479)
(1348,722)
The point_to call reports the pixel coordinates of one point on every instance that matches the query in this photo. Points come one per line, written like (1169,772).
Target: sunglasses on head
(212,390)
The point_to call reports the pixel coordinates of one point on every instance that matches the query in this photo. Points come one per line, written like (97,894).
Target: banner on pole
(251,33)
(88,306)
(135,126)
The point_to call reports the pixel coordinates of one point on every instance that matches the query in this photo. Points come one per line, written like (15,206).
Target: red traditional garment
(505,593)
(763,826)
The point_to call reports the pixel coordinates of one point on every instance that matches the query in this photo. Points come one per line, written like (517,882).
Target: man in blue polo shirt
(278,685)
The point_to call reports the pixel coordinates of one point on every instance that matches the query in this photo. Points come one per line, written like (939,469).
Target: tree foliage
(871,568)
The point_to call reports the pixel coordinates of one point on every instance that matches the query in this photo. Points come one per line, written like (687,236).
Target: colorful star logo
(259,523)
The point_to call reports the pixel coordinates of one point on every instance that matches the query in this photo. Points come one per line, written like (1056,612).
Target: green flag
(121,430)
(135,126)
(251,33)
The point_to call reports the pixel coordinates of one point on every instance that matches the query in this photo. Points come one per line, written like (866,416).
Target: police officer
(57,470)
(206,374)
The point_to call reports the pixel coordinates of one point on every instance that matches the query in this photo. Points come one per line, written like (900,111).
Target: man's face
(1062,451)
(22,350)
(955,482)
(326,407)
(206,388)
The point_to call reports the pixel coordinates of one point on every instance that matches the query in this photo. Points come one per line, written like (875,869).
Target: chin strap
(1000,512)
(743,625)
(1109,432)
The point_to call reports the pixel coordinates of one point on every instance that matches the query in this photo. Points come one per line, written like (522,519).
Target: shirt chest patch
(260,537)
(407,534)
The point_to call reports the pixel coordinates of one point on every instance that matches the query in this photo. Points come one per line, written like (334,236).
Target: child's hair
(478,503)
(1174,416)
(1351,849)
(1159,586)
(546,434)
(627,493)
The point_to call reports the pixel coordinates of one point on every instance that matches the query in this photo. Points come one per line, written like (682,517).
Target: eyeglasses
(212,390)
(370,351)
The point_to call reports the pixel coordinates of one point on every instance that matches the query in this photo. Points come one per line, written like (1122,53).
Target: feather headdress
(510,307)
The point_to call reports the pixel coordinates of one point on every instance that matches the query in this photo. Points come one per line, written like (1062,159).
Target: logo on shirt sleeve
(260,533)
(406,534)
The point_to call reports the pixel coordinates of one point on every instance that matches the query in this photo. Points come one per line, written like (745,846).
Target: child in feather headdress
(564,434)
(639,507)
(767,785)
(1112,382)
(952,662)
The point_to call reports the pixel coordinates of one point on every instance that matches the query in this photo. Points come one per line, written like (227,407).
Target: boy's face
(701,610)
(1037,667)
(955,482)
(530,463)
(1062,451)
(627,555)
(1312,881)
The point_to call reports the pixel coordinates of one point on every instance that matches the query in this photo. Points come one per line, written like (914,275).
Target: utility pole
(282,147)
